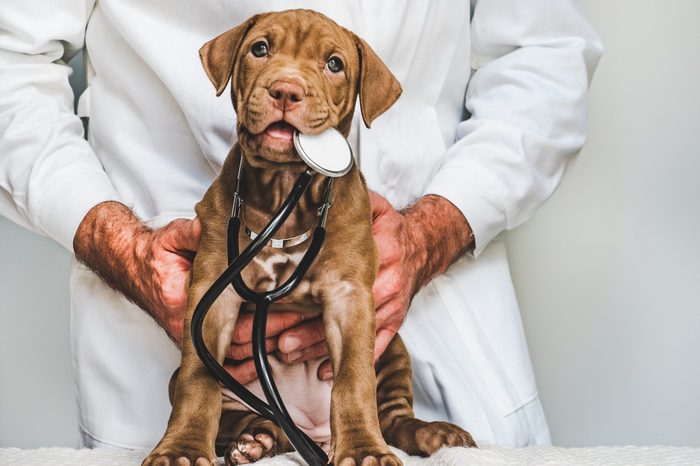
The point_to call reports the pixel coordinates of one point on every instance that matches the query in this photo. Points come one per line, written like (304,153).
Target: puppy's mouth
(275,143)
(280,130)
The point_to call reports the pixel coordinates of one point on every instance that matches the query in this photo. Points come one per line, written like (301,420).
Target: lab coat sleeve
(49,175)
(531,66)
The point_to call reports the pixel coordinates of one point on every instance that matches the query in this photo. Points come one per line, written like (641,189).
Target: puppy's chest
(272,267)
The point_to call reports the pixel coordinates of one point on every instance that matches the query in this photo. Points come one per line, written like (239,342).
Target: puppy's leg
(349,321)
(395,405)
(193,425)
(244,436)
(247,437)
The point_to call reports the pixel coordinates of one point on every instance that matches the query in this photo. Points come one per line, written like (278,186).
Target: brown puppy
(297,69)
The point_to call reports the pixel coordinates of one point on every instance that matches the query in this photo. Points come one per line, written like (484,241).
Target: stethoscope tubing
(274,409)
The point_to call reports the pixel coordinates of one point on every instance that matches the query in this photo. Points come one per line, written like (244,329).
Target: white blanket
(488,455)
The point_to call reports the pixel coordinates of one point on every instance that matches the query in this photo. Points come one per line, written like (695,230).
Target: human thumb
(380,205)
(184,235)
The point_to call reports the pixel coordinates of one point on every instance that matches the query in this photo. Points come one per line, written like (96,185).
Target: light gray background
(607,272)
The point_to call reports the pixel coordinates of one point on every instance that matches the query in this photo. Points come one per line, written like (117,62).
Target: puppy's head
(295,69)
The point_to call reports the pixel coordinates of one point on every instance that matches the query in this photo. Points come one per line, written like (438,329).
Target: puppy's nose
(286,95)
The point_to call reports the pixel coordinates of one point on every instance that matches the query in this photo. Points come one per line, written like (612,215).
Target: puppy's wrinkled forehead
(302,34)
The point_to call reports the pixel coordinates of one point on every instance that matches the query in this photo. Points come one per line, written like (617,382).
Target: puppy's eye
(335,65)
(259,49)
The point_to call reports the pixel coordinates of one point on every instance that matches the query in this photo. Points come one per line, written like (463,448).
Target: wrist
(110,240)
(441,234)
(418,247)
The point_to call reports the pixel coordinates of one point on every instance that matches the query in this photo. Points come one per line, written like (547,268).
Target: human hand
(163,264)
(309,332)
(150,267)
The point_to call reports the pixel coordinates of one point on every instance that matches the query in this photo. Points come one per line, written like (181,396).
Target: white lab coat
(158,137)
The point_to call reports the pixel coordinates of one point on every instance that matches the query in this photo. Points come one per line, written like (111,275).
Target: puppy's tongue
(280,130)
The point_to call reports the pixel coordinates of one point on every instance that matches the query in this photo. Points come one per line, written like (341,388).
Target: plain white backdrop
(607,272)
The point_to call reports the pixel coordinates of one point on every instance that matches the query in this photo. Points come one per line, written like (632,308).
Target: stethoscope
(328,154)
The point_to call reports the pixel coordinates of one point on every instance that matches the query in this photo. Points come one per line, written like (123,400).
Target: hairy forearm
(107,241)
(440,234)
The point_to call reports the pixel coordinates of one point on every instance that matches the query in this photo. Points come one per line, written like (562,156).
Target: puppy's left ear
(219,54)
(379,89)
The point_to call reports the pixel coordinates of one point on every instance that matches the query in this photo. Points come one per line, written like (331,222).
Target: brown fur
(371,405)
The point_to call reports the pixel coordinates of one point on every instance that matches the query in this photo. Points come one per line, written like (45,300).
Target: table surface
(486,455)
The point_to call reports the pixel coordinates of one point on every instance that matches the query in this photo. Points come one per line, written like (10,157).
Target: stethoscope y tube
(274,409)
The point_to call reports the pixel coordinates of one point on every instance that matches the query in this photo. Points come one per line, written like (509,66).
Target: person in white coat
(492,112)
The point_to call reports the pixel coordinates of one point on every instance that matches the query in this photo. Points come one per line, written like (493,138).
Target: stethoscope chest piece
(327,153)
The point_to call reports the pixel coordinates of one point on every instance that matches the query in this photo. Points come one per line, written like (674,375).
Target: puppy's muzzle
(286,95)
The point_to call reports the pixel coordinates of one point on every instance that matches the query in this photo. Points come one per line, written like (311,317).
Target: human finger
(182,235)
(277,322)
(244,372)
(384,337)
(325,370)
(386,286)
(301,336)
(312,352)
(245,351)
(380,205)
(388,314)
(191,234)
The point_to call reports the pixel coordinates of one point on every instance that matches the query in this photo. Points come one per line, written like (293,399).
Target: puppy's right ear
(219,54)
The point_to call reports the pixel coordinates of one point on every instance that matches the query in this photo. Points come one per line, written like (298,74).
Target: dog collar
(280,243)
(237,211)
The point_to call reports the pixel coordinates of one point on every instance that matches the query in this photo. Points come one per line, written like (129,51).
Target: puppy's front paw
(366,456)
(434,435)
(249,448)
(166,454)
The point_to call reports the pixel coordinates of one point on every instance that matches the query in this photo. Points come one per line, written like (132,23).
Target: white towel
(484,456)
